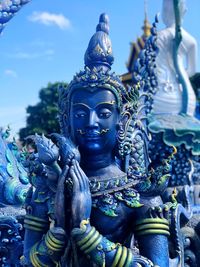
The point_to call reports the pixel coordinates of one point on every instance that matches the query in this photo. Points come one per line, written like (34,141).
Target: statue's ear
(123,123)
(124,144)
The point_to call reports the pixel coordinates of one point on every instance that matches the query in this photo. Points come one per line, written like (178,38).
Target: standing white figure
(168,98)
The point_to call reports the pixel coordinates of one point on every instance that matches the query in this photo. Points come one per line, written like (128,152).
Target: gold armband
(34,223)
(53,243)
(103,252)
(35,259)
(152,226)
(88,242)
(123,257)
(48,251)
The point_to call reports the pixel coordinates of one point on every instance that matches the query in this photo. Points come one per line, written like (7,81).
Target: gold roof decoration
(136,47)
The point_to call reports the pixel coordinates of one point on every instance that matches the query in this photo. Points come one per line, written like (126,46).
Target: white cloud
(11,73)
(41,43)
(49,19)
(24,55)
(27,55)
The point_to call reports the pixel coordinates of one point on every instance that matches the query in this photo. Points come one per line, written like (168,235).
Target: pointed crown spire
(99,51)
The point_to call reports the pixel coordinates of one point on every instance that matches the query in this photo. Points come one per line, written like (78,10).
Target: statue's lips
(92,135)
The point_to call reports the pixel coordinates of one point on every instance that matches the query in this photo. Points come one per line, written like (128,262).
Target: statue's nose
(93,119)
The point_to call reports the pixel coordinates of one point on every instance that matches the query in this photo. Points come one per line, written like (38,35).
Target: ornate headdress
(98,60)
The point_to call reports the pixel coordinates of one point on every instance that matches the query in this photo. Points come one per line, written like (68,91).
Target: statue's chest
(112,214)
(113,206)
(114,203)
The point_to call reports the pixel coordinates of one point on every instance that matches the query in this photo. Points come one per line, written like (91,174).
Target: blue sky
(46,40)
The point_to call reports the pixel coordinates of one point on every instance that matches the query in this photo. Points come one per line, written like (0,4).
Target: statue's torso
(116,229)
(113,207)
(169,95)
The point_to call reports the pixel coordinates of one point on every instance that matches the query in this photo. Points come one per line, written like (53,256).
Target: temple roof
(135,49)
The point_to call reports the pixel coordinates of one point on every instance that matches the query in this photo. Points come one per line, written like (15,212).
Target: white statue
(168,99)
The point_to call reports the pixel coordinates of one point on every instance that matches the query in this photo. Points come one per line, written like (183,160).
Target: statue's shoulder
(188,39)
(165,36)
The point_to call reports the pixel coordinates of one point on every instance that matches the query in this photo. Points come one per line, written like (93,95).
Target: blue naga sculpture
(13,177)
(95,197)
(14,185)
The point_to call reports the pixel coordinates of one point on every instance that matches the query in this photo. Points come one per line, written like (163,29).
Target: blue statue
(93,202)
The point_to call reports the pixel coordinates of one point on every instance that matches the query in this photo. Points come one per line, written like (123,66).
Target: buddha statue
(85,210)
(174,97)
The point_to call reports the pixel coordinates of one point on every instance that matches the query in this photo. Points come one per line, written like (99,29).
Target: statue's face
(93,119)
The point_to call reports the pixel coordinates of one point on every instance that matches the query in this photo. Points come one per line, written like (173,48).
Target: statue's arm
(101,251)
(44,241)
(43,245)
(152,230)
(190,45)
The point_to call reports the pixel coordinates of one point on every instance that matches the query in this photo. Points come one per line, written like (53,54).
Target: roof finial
(145,9)
(147,27)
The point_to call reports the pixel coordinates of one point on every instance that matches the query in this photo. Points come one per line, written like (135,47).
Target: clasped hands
(80,198)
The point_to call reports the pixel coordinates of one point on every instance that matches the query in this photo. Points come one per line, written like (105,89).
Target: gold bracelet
(54,239)
(35,223)
(117,256)
(54,246)
(152,220)
(152,226)
(90,241)
(123,256)
(88,236)
(37,219)
(34,258)
(129,259)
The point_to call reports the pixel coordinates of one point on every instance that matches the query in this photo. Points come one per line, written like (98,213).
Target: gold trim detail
(152,226)
(34,218)
(34,258)
(153,232)
(90,241)
(29,227)
(85,239)
(117,256)
(123,257)
(55,246)
(129,259)
(152,220)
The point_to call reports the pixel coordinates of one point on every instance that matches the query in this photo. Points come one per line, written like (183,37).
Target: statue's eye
(104,113)
(80,114)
